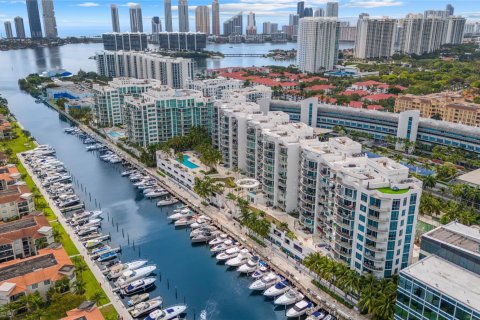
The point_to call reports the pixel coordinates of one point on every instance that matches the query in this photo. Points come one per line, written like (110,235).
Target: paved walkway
(301,279)
(114,299)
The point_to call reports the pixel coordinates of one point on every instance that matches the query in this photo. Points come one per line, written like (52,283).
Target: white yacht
(126,173)
(137,286)
(118,269)
(250,266)
(277,289)
(205,236)
(146,307)
(158,192)
(201,230)
(93,243)
(223,246)
(260,272)
(220,239)
(201,221)
(167,313)
(136,299)
(240,259)
(184,221)
(84,231)
(266,281)
(290,297)
(132,275)
(299,309)
(228,254)
(181,214)
(318,315)
(167,202)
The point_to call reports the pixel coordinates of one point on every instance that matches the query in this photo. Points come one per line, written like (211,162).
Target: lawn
(65,239)
(389,190)
(109,313)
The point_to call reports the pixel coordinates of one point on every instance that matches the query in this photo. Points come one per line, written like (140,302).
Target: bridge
(244,55)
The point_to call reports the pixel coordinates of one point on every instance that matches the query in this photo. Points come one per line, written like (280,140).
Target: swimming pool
(114,134)
(187,163)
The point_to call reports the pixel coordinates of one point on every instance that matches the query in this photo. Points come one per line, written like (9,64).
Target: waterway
(187,273)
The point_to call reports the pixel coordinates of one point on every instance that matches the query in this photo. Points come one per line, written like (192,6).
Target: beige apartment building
(451,108)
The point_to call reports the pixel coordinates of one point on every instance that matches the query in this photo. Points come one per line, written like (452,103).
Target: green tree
(429,181)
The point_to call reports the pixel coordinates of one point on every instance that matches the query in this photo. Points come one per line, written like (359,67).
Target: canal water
(187,272)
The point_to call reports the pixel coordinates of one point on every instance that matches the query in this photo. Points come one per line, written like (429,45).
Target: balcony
(374,248)
(344,234)
(381,238)
(372,257)
(381,209)
(380,229)
(372,267)
(338,252)
(342,223)
(378,219)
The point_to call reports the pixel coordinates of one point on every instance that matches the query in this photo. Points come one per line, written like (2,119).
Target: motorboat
(100,250)
(107,256)
(92,223)
(318,315)
(86,214)
(240,259)
(93,243)
(132,275)
(202,230)
(219,239)
(299,309)
(115,159)
(126,173)
(118,270)
(250,266)
(277,289)
(201,221)
(167,313)
(84,231)
(137,286)
(146,307)
(229,243)
(205,236)
(167,202)
(290,297)
(228,254)
(182,214)
(185,221)
(74,200)
(159,192)
(260,272)
(266,281)
(137,299)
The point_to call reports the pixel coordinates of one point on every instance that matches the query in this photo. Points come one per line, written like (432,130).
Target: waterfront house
(15,202)
(86,311)
(9,176)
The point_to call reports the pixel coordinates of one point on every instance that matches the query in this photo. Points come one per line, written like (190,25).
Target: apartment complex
(174,72)
(49,21)
(162,113)
(8,30)
(34,274)
(375,37)
(136,20)
(109,99)
(193,41)
(317,48)
(15,201)
(443,284)
(234,25)
(23,238)
(448,107)
(126,41)
(214,87)
(202,19)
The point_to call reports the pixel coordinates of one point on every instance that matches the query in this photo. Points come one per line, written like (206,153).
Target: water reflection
(54,57)
(40,61)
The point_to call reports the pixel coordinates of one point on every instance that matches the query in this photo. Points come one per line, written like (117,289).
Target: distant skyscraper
(293,19)
(421,34)
(215,18)
(435,14)
(156,25)
(251,24)
(450,10)
(374,38)
(167,7)
(183,16)
(308,12)
(455,30)
(319,12)
(19,27)
(317,44)
(234,25)
(49,21)
(332,9)
(202,19)
(34,19)
(136,23)
(115,18)
(300,8)
(8,30)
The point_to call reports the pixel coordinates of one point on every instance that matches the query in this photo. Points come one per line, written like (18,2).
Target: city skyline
(99,19)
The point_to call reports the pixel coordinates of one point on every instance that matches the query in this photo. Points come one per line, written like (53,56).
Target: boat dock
(97,255)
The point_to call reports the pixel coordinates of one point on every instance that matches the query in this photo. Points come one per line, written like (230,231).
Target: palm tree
(350,282)
(10,309)
(97,296)
(80,268)
(384,306)
(429,181)
(79,287)
(206,187)
(31,302)
(57,235)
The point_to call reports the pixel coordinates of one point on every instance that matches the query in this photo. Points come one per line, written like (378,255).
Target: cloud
(88,4)
(373,3)
(130,4)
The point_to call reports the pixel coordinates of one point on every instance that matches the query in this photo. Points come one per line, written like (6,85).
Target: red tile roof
(318,87)
(352,92)
(375,107)
(89,314)
(356,104)
(379,96)
(368,83)
(25,227)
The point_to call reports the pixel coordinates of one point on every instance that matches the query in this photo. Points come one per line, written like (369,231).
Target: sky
(92,17)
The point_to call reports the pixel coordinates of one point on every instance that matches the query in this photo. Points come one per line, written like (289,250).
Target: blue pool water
(114,134)
(419,170)
(187,163)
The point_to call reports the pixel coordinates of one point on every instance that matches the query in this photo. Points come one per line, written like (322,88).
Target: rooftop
(471,178)
(447,278)
(458,235)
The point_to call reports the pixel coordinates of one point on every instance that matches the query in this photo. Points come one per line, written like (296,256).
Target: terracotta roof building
(86,311)
(34,274)
(9,175)
(5,128)
(23,237)
(15,201)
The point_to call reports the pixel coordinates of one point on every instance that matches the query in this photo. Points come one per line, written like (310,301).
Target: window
(447,307)
(34,286)
(396,204)
(364,197)
(362,218)
(46,282)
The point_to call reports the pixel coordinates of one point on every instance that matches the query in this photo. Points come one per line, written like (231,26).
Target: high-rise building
(455,30)
(293,19)
(173,72)
(156,25)
(300,8)
(136,21)
(332,9)
(422,34)
(234,25)
(435,14)
(8,30)
(215,18)
(19,27)
(202,19)
(375,37)
(126,41)
(183,25)
(193,41)
(317,44)
(450,10)
(270,27)
(308,12)
(115,18)
(319,12)
(34,19)
(347,32)
(251,24)
(167,7)
(49,21)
